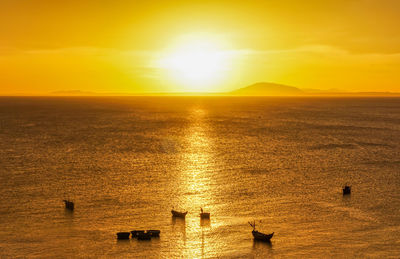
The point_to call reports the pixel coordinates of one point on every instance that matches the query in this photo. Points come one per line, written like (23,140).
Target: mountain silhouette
(268,89)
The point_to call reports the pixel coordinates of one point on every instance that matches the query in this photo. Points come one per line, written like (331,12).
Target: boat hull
(69,205)
(178,214)
(346,190)
(136,232)
(154,233)
(261,236)
(123,235)
(205,215)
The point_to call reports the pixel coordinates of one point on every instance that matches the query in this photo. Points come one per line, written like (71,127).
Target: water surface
(126,162)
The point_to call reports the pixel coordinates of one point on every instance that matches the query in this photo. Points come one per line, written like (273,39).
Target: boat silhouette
(260,236)
(346,190)
(69,205)
(178,214)
(204,215)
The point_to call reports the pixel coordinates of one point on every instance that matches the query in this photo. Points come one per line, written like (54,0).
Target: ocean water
(126,162)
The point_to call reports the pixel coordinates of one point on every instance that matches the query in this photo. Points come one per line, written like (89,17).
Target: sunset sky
(195,46)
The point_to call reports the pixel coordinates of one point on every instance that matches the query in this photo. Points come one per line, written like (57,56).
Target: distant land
(272,89)
(268,89)
(257,89)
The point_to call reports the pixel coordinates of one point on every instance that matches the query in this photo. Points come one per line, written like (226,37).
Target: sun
(196,64)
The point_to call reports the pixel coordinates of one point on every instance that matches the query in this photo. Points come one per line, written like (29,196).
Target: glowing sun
(196,64)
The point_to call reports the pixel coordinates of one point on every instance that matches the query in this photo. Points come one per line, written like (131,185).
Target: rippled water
(127,161)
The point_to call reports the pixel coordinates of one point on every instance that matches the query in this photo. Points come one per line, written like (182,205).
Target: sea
(127,161)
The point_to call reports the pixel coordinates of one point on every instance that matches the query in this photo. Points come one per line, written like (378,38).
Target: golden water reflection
(197,163)
(196,185)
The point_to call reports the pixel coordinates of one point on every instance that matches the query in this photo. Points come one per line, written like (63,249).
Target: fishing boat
(204,215)
(123,235)
(178,214)
(346,189)
(135,233)
(154,233)
(69,205)
(260,236)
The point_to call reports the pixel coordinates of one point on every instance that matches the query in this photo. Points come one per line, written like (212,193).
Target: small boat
(143,236)
(204,215)
(260,236)
(135,233)
(123,235)
(178,214)
(154,233)
(346,189)
(69,205)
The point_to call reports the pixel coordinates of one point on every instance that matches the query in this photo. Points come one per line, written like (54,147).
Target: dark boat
(204,215)
(135,233)
(123,235)
(178,214)
(69,205)
(143,236)
(346,190)
(154,233)
(260,236)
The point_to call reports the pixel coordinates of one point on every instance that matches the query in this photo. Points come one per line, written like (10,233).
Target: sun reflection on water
(195,178)
(196,184)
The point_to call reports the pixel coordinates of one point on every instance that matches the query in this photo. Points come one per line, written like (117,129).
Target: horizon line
(210,94)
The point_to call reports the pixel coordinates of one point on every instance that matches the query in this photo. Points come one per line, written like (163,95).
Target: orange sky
(122,46)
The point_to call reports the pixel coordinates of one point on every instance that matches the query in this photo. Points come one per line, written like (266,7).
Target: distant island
(272,89)
(257,89)
(268,89)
